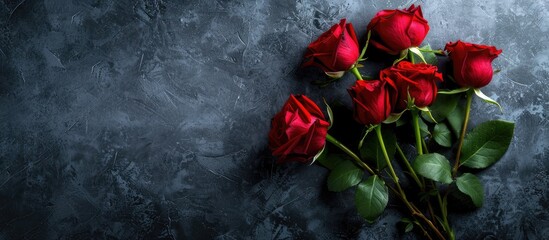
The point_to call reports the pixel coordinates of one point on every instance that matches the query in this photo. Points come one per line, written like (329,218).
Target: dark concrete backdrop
(149,119)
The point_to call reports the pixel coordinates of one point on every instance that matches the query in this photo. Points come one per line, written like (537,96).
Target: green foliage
(470,185)
(415,53)
(345,175)
(330,161)
(442,135)
(366,132)
(409,227)
(403,55)
(455,91)
(429,55)
(442,107)
(319,154)
(371,149)
(393,117)
(433,166)
(409,224)
(486,98)
(371,198)
(330,114)
(455,120)
(486,144)
(424,129)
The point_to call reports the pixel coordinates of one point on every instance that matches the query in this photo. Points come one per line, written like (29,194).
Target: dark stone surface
(148,119)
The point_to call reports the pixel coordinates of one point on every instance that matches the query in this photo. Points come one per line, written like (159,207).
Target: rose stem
(384,150)
(392,170)
(402,195)
(415,120)
(463,130)
(460,145)
(425,149)
(357,160)
(357,74)
(419,145)
(418,214)
(409,167)
(425,233)
(444,210)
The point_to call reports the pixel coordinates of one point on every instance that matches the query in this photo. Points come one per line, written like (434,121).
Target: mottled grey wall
(148,119)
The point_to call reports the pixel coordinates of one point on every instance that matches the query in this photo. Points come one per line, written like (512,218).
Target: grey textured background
(149,119)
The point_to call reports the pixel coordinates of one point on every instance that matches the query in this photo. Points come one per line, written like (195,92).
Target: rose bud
(396,30)
(298,131)
(472,63)
(418,80)
(372,100)
(335,50)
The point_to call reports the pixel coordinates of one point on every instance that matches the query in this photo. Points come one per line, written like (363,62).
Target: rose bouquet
(409,98)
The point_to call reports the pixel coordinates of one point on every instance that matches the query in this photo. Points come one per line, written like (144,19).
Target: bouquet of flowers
(409,98)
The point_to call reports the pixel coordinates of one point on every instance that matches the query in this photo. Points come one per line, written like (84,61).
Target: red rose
(335,50)
(298,131)
(472,63)
(397,30)
(417,79)
(372,100)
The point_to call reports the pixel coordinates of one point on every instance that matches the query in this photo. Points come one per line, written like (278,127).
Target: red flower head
(298,131)
(419,80)
(335,50)
(472,63)
(372,100)
(397,30)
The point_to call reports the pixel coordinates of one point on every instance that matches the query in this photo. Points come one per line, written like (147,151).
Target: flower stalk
(417,131)
(463,130)
(357,74)
(420,143)
(402,195)
(399,192)
(349,152)
(409,167)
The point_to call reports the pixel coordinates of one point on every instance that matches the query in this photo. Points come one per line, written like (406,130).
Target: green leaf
(371,149)
(429,54)
(426,113)
(365,45)
(368,130)
(424,129)
(455,91)
(415,50)
(393,117)
(409,227)
(330,161)
(371,198)
(487,143)
(338,74)
(471,186)
(330,113)
(433,166)
(455,119)
(442,107)
(442,135)
(401,122)
(403,55)
(486,98)
(318,155)
(345,175)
